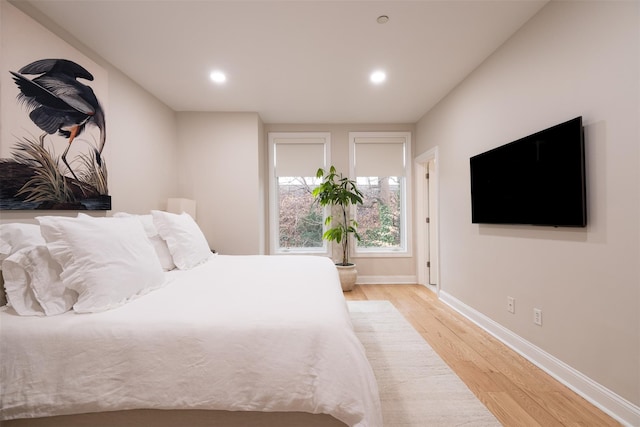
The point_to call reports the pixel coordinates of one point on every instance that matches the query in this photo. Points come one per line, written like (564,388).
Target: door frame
(423,248)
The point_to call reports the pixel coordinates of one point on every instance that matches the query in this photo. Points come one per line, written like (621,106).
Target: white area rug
(416,387)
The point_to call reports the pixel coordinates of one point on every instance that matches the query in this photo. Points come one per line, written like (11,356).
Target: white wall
(572,59)
(222,169)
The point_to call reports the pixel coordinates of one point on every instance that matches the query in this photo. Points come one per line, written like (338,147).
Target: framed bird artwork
(43,171)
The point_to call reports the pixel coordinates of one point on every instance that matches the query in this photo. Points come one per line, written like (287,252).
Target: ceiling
(294,61)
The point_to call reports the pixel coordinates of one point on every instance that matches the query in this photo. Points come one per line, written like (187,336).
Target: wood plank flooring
(514,390)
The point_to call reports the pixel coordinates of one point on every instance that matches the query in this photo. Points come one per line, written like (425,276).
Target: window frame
(274,197)
(406,248)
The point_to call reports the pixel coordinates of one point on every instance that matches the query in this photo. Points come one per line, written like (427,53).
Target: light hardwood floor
(514,390)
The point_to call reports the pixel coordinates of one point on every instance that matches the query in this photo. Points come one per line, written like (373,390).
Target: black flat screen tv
(536,180)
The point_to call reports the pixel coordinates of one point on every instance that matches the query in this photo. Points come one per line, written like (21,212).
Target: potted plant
(340,192)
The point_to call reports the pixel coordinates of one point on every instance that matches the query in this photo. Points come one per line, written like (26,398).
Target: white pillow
(33,284)
(107,261)
(187,244)
(16,236)
(159,245)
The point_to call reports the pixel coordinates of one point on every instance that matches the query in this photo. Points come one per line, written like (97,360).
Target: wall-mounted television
(536,180)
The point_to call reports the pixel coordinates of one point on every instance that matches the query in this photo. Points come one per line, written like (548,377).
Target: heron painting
(58,104)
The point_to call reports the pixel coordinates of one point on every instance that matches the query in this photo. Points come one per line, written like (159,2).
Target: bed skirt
(173,418)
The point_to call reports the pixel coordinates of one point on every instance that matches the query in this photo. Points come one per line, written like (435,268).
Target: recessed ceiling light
(382,19)
(378,77)
(218,77)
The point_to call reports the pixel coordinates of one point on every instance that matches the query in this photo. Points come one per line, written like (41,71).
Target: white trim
(406,231)
(616,406)
(274,249)
(386,280)
(422,248)
(381,253)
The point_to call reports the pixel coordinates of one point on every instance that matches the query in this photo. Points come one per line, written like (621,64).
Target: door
(427,199)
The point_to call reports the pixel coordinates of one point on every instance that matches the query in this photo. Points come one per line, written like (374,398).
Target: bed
(230,340)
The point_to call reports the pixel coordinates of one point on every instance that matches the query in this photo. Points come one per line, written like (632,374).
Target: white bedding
(247,333)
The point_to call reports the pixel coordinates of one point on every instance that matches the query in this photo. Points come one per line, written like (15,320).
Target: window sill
(299,251)
(382,254)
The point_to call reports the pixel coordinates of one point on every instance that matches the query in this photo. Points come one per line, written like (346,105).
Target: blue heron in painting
(59,102)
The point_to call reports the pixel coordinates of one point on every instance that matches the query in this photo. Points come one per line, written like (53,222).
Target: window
(296,222)
(380,163)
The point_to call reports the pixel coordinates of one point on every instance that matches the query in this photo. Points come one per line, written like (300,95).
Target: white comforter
(250,333)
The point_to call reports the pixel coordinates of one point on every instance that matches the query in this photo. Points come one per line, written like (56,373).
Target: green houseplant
(339,192)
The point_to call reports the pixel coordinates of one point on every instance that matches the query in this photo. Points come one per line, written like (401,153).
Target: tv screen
(537,180)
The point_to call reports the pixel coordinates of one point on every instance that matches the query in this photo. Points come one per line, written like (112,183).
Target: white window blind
(379,156)
(295,221)
(380,162)
(299,158)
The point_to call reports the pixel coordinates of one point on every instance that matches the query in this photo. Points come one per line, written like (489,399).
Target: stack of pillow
(88,264)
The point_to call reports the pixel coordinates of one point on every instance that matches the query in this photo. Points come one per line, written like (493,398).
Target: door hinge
(428,264)
(427,220)
(426,175)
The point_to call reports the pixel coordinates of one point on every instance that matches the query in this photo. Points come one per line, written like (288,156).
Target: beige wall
(222,169)
(572,59)
(143,170)
(391,270)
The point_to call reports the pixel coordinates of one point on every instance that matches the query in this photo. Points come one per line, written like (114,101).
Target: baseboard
(616,406)
(386,280)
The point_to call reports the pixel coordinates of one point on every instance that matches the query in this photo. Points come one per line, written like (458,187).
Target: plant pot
(348,275)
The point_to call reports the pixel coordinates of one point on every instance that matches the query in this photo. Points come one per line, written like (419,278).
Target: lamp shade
(179,205)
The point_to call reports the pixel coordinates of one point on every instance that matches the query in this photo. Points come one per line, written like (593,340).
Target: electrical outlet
(511,305)
(537,316)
